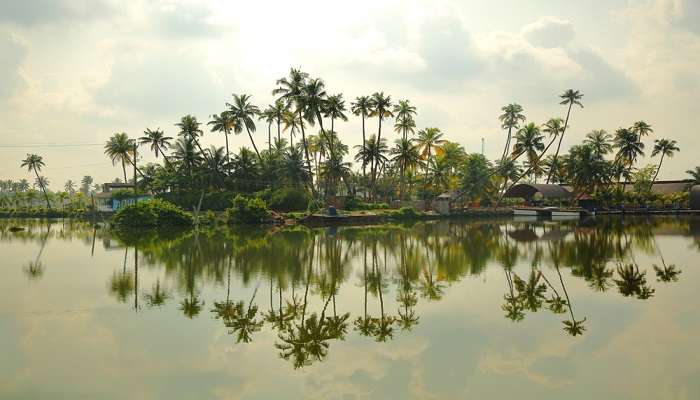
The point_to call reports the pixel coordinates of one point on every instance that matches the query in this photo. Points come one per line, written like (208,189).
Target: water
(575,310)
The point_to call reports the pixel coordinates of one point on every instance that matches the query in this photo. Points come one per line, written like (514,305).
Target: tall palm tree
(641,129)
(290,91)
(569,97)
(629,148)
(528,141)
(224,123)
(157,140)
(244,112)
(335,109)
(189,129)
(665,147)
(35,163)
(362,106)
(404,112)
(119,148)
(268,115)
(373,152)
(69,187)
(510,119)
(406,156)
(292,123)
(85,184)
(429,143)
(600,140)
(314,100)
(278,110)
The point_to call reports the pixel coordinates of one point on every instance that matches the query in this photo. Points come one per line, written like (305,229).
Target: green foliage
(355,204)
(247,211)
(215,201)
(289,199)
(151,213)
(125,194)
(405,213)
(475,177)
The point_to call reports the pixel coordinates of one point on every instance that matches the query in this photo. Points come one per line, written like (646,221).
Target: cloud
(25,12)
(549,32)
(161,83)
(13,53)
(185,20)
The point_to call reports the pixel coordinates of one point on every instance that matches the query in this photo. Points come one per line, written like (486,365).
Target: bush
(247,211)
(151,213)
(289,199)
(355,204)
(215,201)
(405,213)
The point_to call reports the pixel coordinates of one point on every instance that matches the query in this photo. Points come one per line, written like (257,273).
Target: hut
(536,192)
(695,198)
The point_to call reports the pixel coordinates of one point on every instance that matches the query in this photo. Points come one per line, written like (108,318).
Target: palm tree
(86,183)
(189,129)
(119,148)
(335,109)
(600,140)
(665,147)
(268,115)
(313,100)
(292,123)
(569,97)
(244,112)
(35,163)
(290,91)
(157,140)
(510,119)
(629,148)
(406,156)
(528,141)
(429,142)
(224,123)
(641,129)
(362,107)
(69,187)
(278,110)
(372,153)
(694,174)
(404,112)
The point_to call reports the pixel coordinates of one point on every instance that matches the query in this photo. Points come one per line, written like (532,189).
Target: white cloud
(549,32)
(13,53)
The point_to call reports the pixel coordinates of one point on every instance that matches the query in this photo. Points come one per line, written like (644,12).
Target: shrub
(215,201)
(151,213)
(247,211)
(289,199)
(355,204)
(405,213)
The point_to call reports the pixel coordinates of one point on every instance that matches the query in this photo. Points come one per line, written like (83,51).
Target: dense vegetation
(304,152)
(151,213)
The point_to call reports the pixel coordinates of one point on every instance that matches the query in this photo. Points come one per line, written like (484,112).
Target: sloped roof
(527,190)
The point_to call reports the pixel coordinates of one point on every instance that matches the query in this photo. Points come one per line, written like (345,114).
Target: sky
(74,72)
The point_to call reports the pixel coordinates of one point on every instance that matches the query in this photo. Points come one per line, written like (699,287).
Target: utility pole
(482,146)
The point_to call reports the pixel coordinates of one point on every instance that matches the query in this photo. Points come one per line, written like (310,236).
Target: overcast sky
(76,71)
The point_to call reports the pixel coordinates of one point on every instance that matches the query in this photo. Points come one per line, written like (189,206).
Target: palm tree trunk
(43,189)
(364,165)
(658,169)
(278,129)
(306,153)
(228,153)
(269,136)
(253,143)
(561,138)
(124,169)
(505,149)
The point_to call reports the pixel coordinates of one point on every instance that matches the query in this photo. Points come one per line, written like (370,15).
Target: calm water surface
(523,309)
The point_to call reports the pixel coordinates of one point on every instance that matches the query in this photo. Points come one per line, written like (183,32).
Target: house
(112,199)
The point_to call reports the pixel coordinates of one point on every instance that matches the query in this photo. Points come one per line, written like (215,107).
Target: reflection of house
(112,198)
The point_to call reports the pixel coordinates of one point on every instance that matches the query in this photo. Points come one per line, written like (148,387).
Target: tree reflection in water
(398,268)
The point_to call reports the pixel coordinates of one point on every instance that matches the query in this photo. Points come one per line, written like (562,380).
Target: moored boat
(550,212)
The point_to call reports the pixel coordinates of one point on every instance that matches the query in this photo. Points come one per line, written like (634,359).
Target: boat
(550,212)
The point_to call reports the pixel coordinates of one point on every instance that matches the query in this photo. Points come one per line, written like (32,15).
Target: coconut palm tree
(629,148)
(665,147)
(600,140)
(85,184)
(244,112)
(570,97)
(268,115)
(119,148)
(278,109)
(694,174)
(528,141)
(290,91)
(335,109)
(314,100)
(224,123)
(190,130)
(641,129)
(69,187)
(510,119)
(429,143)
(35,163)
(362,106)
(373,153)
(157,140)
(404,112)
(406,156)
(292,123)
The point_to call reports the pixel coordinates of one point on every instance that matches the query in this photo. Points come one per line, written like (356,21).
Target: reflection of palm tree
(245,322)
(632,282)
(365,324)
(35,269)
(572,327)
(531,292)
(122,284)
(157,296)
(191,306)
(667,273)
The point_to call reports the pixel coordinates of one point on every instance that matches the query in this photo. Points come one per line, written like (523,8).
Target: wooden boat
(550,212)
